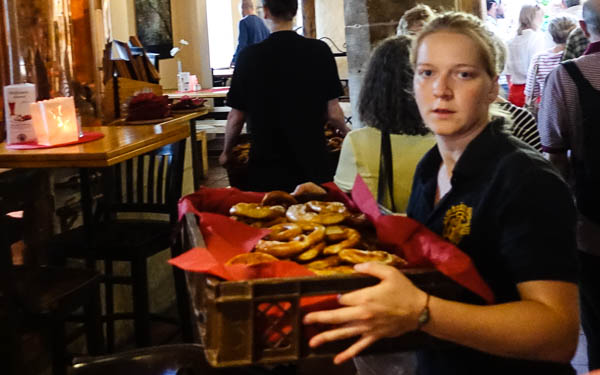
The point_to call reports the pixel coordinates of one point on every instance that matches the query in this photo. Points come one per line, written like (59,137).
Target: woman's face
(452,88)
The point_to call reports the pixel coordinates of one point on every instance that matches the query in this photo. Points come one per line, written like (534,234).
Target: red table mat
(87,137)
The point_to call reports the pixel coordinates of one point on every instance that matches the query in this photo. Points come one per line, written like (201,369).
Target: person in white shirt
(521,50)
(491,20)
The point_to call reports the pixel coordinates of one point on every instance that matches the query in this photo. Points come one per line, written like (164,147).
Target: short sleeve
(346,169)
(538,229)
(236,97)
(553,123)
(332,88)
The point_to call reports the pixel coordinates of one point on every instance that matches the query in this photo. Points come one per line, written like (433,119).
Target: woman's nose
(441,88)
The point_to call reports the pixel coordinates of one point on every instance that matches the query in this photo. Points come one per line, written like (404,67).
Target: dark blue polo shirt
(513,214)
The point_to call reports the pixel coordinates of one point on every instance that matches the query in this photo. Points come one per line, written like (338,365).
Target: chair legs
(141,307)
(182,296)
(58,347)
(109,306)
(93,323)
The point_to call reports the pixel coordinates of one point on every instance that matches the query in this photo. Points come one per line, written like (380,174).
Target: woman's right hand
(308,188)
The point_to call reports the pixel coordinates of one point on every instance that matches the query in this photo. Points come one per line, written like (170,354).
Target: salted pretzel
(278,198)
(335,233)
(352,237)
(251,259)
(320,264)
(257,211)
(356,256)
(297,245)
(325,216)
(336,270)
(311,253)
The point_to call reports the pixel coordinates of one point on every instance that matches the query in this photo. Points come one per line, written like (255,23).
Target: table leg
(196,163)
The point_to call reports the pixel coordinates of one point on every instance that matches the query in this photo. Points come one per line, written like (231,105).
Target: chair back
(157,360)
(151,182)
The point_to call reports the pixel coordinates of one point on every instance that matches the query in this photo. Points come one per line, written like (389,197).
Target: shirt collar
(592,48)
(475,159)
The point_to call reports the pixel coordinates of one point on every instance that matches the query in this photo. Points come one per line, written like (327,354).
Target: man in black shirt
(286,88)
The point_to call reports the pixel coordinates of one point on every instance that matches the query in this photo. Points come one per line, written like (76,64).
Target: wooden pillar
(308,19)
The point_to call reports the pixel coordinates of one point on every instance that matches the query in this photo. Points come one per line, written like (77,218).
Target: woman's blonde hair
(420,13)
(465,24)
(527,17)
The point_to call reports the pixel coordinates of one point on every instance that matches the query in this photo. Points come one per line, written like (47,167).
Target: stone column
(369,21)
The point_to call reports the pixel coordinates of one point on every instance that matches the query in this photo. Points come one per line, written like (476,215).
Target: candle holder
(55,121)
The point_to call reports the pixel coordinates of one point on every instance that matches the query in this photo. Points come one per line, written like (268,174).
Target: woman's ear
(494,90)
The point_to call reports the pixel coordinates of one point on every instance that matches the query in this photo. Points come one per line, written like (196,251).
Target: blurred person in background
(286,88)
(522,123)
(568,124)
(543,63)
(491,19)
(414,19)
(252,29)
(577,42)
(521,49)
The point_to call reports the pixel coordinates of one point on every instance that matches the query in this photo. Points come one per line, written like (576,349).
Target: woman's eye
(426,73)
(465,75)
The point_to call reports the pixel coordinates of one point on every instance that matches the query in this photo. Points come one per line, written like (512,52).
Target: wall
(329,16)
(122,14)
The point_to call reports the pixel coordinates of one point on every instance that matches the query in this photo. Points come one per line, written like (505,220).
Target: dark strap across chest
(587,165)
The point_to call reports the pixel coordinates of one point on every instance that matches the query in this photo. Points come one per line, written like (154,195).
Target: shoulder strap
(386,171)
(577,76)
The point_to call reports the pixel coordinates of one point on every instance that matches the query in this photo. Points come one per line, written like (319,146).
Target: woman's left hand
(388,309)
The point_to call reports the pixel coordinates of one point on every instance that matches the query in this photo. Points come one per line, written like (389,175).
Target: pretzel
(303,212)
(284,231)
(320,264)
(251,259)
(335,233)
(256,211)
(355,256)
(311,253)
(337,270)
(281,198)
(298,244)
(352,238)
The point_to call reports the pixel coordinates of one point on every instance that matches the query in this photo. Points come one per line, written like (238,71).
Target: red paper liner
(87,137)
(225,238)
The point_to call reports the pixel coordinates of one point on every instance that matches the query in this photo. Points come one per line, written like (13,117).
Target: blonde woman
(480,188)
(414,20)
(521,49)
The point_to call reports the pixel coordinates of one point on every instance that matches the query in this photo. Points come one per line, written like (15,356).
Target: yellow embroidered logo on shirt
(457,223)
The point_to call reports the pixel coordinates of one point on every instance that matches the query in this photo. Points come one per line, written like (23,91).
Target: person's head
(247,7)
(560,27)
(456,74)
(492,7)
(386,101)
(570,3)
(414,19)
(530,17)
(591,19)
(280,10)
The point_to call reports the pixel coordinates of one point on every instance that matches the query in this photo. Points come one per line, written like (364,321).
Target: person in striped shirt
(522,123)
(543,63)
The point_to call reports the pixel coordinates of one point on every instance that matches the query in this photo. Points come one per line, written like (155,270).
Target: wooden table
(215,92)
(120,143)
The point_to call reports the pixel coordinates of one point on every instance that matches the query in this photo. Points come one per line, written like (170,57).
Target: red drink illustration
(11,106)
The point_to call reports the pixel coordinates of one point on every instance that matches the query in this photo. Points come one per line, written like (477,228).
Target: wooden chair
(149,184)
(42,298)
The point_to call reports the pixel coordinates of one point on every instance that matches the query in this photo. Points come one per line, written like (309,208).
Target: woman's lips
(442,113)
